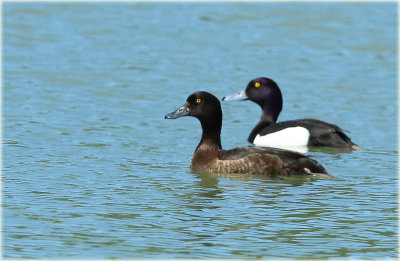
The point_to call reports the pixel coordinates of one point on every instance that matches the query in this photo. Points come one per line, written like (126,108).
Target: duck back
(255,160)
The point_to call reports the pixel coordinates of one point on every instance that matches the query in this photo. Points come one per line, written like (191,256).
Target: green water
(90,168)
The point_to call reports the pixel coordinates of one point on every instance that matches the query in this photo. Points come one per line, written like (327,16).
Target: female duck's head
(205,107)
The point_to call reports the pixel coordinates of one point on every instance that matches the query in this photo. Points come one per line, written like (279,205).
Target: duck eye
(257,84)
(198,101)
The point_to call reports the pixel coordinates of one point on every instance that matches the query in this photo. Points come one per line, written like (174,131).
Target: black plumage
(266,93)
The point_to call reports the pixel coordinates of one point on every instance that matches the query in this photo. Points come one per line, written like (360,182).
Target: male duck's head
(263,91)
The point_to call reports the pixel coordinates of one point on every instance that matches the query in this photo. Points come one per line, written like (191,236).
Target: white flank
(294,138)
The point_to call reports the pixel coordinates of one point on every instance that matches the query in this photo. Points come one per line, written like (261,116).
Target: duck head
(263,91)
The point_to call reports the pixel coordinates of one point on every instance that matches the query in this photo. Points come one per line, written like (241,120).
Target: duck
(298,135)
(210,157)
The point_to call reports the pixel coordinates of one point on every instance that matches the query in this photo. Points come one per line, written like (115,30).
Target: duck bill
(239,96)
(182,111)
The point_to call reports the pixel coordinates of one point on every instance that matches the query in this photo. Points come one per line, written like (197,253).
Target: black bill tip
(182,111)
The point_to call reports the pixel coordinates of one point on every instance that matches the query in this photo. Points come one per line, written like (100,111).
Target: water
(92,170)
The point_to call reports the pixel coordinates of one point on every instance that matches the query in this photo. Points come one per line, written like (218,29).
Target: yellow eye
(257,84)
(198,101)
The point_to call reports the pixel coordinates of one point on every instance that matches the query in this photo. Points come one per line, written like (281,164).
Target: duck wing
(266,160)
(321,133)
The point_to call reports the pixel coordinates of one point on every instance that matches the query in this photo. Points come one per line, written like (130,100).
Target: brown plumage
(210,157)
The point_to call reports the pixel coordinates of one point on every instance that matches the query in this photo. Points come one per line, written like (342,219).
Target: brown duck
(210,157)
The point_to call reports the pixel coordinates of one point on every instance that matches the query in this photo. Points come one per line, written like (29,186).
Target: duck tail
(320,175)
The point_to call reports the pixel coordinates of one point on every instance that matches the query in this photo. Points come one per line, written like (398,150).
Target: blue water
(90,168)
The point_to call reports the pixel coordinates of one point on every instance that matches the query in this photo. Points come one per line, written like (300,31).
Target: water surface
(92,170)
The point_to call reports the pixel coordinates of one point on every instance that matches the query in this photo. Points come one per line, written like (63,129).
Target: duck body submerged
(294,134)
(209,155)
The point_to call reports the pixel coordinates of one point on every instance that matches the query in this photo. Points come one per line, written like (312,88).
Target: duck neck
(211,137)
(267,118)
